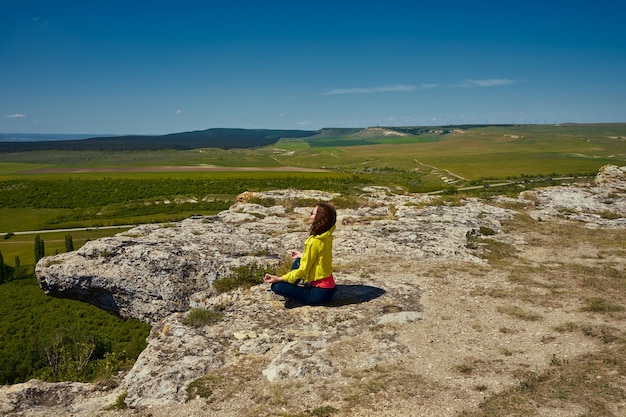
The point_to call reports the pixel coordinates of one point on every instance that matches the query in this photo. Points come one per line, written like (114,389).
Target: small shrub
(119,403)
(487,231)
(494,251)
(198,317)
(600,305)
(609,215)
(604,333)
(202,387)
(244,276)
(291,203)
(515,311)
(265,202)
(349,202)
(324,411)
(464,369)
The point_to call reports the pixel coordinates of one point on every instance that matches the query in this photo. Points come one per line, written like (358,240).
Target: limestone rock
(39,398)
(602,204)
(151,271)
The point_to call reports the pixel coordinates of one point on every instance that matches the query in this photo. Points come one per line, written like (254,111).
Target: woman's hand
(295,254)
(270,279)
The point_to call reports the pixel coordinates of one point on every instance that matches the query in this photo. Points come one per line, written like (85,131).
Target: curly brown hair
(325,218)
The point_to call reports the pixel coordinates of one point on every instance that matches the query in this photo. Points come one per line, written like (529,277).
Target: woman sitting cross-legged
(315,263)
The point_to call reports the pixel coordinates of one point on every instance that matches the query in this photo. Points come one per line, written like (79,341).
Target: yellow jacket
(317,259)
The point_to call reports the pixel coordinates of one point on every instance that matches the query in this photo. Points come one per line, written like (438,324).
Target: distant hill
(377,134)
(211,138)
(41,137)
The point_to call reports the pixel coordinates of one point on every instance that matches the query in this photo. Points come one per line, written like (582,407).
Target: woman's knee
(286,289)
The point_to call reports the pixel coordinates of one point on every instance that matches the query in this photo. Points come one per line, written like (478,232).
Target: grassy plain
(489,152)
(54,242)
(438,158)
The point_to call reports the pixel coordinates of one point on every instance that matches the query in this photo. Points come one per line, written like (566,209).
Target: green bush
(198,317)
(244,276)
(600,305)
(349,202)
(119,403)
(487,231)
(202,387)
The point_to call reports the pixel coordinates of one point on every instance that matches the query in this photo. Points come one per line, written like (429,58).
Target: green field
(410,159)
(489,152)
(23,245)
(472,152)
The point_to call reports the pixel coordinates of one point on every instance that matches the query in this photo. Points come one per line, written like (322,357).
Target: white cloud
(15,116)
(369,90)
(429,86)
(179,112)
(492,82)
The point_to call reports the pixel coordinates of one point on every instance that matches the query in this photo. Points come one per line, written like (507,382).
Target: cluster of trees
(9,273)
(59,340)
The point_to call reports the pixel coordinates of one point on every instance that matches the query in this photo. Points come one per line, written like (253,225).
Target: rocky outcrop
(152,271)
(158,272)
(600,204)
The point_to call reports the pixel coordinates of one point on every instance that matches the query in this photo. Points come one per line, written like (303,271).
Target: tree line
(82,193)
(211,138)
(9,273)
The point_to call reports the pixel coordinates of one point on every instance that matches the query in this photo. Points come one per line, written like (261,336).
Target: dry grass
(573,268)
(592,385)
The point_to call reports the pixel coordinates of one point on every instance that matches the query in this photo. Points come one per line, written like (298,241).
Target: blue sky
(156,67)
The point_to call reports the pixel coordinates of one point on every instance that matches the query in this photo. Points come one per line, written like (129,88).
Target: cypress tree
(1,268)
(69,243)
(39,248)
(17,271)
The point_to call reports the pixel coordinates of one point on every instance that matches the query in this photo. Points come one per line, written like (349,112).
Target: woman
(314,266)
